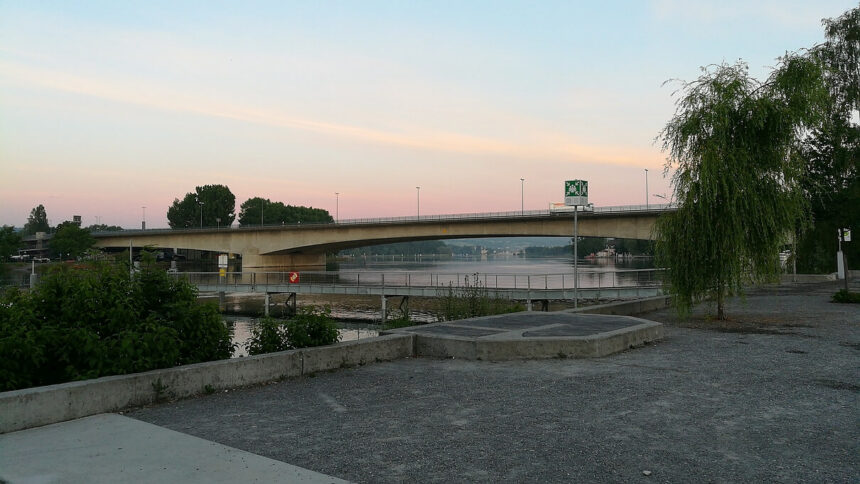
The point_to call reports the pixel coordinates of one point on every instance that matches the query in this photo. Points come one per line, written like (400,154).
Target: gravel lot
(770,396)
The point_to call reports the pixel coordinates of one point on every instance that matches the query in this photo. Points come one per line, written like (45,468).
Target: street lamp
(522,196)
(262,204)
(336,207)
(646,188)
(418,189)
(218,221)
(201,214)
(143,221)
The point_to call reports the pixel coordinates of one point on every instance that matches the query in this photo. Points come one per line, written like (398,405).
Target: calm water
(502,271)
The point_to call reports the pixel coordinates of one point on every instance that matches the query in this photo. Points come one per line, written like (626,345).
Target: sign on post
(846,235)
(576,192)
(294,277)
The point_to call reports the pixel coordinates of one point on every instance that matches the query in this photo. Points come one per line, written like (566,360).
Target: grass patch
(844,296)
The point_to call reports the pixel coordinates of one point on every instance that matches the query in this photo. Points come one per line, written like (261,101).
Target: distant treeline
(403,248)
(587,245)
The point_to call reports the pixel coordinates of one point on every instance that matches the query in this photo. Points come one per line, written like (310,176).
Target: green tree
(832,151)
(71,241)
(104,228)
(10,242)
(733,143)
(213,205)
(276,213)
(37,221)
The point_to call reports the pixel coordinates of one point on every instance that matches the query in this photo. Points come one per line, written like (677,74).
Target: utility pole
(646,188)
(522,196)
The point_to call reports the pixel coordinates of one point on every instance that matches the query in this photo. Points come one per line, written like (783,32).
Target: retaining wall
(626,308)
(34,407)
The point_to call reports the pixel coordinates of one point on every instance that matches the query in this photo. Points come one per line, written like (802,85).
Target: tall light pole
(646,188)
(336,207)
(143,220)
(262,204)
(201,214)
(522,196)
(418,189)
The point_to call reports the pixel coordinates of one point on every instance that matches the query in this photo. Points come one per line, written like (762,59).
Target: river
(358,316)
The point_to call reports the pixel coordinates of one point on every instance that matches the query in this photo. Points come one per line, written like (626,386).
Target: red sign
(294,277)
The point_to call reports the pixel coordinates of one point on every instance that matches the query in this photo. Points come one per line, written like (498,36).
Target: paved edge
(114,448)
(33,407)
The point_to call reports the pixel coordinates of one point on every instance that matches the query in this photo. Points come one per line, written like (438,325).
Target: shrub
(844,296)
(470,300)
(310,327)
(96,320)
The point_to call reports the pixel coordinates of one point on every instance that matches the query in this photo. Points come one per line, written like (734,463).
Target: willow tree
(733,144)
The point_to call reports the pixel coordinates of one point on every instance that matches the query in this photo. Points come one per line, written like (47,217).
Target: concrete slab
(114,448)
(529,335)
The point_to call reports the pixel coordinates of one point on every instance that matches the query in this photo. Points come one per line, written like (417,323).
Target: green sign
(576,192)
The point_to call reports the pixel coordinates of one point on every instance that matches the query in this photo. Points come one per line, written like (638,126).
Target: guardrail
(376,279)
(423,218)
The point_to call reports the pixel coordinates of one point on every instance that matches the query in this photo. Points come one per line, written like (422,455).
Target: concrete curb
(34,407)
(626,308)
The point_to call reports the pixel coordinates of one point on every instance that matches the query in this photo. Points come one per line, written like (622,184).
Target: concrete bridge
(303,247)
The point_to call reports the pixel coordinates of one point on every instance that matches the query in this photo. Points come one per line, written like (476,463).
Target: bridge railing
(586,279)
(423,218)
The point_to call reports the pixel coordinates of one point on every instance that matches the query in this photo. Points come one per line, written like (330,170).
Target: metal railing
(423,218)
(556,281)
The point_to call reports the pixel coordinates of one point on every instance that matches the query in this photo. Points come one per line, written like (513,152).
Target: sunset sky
(106,107)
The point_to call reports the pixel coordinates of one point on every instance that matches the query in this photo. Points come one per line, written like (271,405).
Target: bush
(471,300)
(310,327)
(844,296)
(96,320)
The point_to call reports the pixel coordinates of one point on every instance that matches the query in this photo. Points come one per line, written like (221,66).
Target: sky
(108,107)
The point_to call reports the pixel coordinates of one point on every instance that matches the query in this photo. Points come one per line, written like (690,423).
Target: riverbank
(772,395)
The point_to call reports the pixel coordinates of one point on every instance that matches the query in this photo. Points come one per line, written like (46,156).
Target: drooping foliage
(733,143)
(87,322)
(207,206)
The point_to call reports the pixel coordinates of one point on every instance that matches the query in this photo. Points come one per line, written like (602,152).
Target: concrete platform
(113,448)
(529,335)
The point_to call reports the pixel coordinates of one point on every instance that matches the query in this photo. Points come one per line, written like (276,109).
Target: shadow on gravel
(838,385)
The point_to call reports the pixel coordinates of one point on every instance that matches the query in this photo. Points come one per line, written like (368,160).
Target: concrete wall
(33,407)
(626,308)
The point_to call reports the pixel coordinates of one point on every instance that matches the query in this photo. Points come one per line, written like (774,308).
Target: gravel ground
(771,396)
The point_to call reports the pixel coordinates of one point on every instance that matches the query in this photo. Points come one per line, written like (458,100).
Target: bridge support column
(384,310)
(266,305)
(282,262)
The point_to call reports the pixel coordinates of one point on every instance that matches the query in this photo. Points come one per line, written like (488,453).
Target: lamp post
(336,207)
(143,220)
(646,188)
(522,196)
(201,214)
(418,190)
(218,221)
(262,204)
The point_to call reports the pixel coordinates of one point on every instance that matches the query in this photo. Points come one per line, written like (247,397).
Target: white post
(575,256)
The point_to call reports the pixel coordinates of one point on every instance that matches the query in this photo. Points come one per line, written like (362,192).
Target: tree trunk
(721,313)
